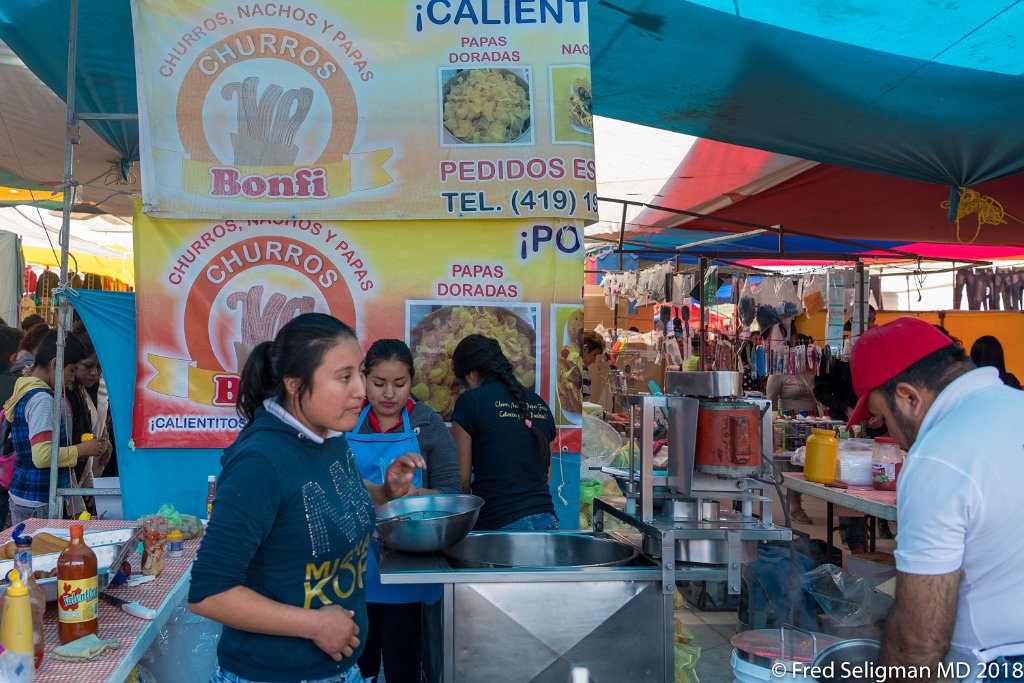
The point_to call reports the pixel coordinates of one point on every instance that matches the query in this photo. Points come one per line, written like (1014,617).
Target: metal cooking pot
(536,550)
(728,438)
(426,524)
(860,655)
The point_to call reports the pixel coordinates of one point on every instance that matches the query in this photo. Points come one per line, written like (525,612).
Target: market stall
(134,635)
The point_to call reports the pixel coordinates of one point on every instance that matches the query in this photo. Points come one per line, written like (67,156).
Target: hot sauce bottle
(77,589)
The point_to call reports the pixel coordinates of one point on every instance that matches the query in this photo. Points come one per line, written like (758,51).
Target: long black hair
(297,351)
(10,339)
(388,349)
(477,353)
(74,350)
(988,352)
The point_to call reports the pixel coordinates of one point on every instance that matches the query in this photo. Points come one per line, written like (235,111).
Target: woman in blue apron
(391,425)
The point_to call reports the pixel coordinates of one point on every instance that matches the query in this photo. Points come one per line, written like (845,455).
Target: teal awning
(923,89)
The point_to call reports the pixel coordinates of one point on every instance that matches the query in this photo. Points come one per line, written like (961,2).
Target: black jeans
(395,634)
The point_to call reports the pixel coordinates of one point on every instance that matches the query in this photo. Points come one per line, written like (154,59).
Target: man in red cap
(959,552)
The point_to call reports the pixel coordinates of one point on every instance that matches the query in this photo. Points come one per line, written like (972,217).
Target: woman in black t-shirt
(503,434)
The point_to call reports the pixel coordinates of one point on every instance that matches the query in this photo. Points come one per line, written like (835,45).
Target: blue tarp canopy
(37,31)
(923,89)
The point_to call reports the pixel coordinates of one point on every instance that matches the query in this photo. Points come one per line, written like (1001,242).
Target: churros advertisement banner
(375,110)
(209,291)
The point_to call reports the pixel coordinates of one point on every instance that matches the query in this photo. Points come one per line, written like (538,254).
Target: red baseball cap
(885,351)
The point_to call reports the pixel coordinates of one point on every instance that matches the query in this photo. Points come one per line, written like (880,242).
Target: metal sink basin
(537,550)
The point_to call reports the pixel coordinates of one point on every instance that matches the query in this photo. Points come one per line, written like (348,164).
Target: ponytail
(477,353)
(257,381)
(296,352)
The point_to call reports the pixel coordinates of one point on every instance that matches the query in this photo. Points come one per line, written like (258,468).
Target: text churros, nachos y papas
(434,338)
(486,106)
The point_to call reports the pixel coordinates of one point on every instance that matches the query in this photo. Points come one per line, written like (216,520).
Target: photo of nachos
(486,106)
(439,330)
(581,105)
(569,368)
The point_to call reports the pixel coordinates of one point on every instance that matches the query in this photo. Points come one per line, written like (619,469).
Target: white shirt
(960,505)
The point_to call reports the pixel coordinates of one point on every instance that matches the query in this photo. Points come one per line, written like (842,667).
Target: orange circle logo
(272,125)
(253,301)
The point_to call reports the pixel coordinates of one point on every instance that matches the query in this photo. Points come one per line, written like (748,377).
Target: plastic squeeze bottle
(77,589)
(23,563)
(16,625)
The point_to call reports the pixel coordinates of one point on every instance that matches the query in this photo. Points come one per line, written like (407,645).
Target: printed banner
(405,109)
(209,291)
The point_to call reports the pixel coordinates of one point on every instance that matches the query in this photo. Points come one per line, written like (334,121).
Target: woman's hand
(334,631)
(398,478)
(91,448)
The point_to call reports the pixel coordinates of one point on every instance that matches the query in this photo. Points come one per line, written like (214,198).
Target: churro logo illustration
(267,114)
(243,295)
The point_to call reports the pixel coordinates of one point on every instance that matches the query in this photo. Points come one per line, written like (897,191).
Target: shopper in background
(25,356)
(833,388)
(959,587)
(290,504)
(85,416)
(503,433)
(10,339)
(794,393)
(390,425)
(30,414)
(988,352)
(593,347)
(30,321)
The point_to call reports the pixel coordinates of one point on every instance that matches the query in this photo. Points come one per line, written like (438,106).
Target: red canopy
(830,201)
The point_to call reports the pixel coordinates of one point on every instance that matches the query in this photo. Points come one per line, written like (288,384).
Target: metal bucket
(536,550)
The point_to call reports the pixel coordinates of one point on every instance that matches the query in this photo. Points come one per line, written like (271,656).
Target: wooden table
(875,504)
(134,635)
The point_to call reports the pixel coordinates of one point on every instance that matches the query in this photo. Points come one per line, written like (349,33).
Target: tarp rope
(966,202)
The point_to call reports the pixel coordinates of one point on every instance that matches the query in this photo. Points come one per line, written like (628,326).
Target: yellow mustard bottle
(16,625)
(822,450)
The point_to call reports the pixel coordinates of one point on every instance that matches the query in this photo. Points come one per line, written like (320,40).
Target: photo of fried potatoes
(434,338)
(569,381)
(581,105)
(486,106)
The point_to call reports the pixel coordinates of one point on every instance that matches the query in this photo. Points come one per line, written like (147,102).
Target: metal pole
(65,241)
(703,265)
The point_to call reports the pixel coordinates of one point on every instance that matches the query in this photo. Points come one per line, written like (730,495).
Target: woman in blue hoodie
(283,561)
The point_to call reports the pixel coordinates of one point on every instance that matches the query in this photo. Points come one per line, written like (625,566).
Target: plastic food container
(886,462)
(854,467)
(822,449)
(175,544)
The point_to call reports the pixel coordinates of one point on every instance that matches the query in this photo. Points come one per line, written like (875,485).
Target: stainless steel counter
(533,625)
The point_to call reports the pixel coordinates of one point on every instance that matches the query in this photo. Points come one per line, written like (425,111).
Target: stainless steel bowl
(858,654)
(536,550)
(425,524)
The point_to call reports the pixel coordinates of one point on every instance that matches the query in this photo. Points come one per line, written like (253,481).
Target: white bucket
(748,672)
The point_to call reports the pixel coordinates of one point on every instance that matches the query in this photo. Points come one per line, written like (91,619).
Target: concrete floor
(712,630)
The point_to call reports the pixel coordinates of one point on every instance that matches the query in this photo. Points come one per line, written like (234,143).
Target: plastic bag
(190,526)
(686,657)
(812,294)
(600,445)
(185,649)
(846,600)
(747,307)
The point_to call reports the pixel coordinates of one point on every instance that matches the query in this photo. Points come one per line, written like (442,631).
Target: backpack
(7,454)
